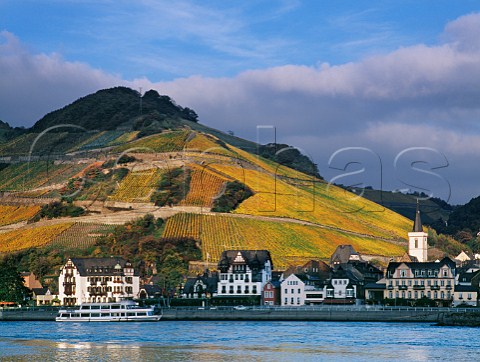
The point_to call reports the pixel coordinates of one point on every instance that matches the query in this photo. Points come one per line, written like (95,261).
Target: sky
(379,93)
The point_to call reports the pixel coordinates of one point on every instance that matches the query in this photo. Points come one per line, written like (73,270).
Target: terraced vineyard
(13,214)
(288,242)
(30,237)
(173,141)
(29,175)
(81,235)
(204,187)
(137,186)
(207,143)
(315,202)
(101,139)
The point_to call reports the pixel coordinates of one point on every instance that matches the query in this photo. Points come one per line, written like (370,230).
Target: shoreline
(439,316)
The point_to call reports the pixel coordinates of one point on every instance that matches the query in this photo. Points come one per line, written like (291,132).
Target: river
(235,341)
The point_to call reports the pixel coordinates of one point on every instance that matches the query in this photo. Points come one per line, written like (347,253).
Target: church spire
(417,225)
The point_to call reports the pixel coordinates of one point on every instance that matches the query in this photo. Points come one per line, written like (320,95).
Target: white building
(243,272)
(292,291)
(101,280)
(417,240)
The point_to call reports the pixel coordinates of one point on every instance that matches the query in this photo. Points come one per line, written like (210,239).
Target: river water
(236,341)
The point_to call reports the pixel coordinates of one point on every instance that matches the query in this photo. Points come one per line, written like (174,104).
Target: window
(231,289)
(298,301)
(445,272)
(442,283)
(292,301)
(247,290)
(299,291)
(293,291)
(286,300)
(409,283)
(409,295)
(239,289)
(416,243)
(224,289)
(390,294)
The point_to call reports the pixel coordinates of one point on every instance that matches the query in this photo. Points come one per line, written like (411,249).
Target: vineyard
(207,143)
(287,242)
(173,141)
(30,237)
(100,139)
(204,187)
(124,138)
(29,175)
(137,186)
(81,235)
(13,214)
(317,203)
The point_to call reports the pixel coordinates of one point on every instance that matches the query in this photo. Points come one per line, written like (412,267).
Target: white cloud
(418,95)
(35,84)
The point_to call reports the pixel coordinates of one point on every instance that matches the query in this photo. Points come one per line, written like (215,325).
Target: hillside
(433,209)
(177,170)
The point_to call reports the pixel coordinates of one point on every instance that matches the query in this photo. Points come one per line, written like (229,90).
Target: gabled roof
(209,281)
(101,266)
(39,291)
(151,289)
(255,259)
(344,253)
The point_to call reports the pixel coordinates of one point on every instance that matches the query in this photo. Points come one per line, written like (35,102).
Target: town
(248,278)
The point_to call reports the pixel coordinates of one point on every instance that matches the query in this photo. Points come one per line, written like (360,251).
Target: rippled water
(235,341)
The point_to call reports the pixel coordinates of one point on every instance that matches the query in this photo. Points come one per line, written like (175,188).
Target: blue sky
(382,75)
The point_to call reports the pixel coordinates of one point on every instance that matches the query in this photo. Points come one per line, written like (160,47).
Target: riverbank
(442,316)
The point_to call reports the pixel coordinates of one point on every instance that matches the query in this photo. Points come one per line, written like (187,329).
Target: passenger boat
(124,311)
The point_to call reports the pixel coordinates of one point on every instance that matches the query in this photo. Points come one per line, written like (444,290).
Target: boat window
(131,314)
(95,307)
(85,307)
(95,315)
(85,315)
(141,313)
(105,314)
(115,306)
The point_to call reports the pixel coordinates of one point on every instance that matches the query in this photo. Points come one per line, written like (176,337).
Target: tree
(12,288)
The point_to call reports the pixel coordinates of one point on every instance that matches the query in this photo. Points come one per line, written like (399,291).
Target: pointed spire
(417,226)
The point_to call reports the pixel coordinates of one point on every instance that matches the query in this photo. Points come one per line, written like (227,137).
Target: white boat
(124,311)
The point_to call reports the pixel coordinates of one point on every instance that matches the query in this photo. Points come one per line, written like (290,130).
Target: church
(414,277)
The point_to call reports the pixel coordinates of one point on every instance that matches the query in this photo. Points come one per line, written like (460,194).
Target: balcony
(435,287)
(390,287)
(448,287)
(419,287)
(402,287)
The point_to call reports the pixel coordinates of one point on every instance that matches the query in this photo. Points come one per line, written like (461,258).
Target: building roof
(151,289)
(314,269)
(417,225)
(392,266)
(101,266)
(255,259)
(465,288)
(375,286)
(39,291)
(344,253)
(209,281)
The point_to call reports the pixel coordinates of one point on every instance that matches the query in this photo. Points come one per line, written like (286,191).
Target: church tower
(417,239)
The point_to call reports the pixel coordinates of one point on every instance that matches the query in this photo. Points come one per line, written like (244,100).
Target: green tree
(12,288)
